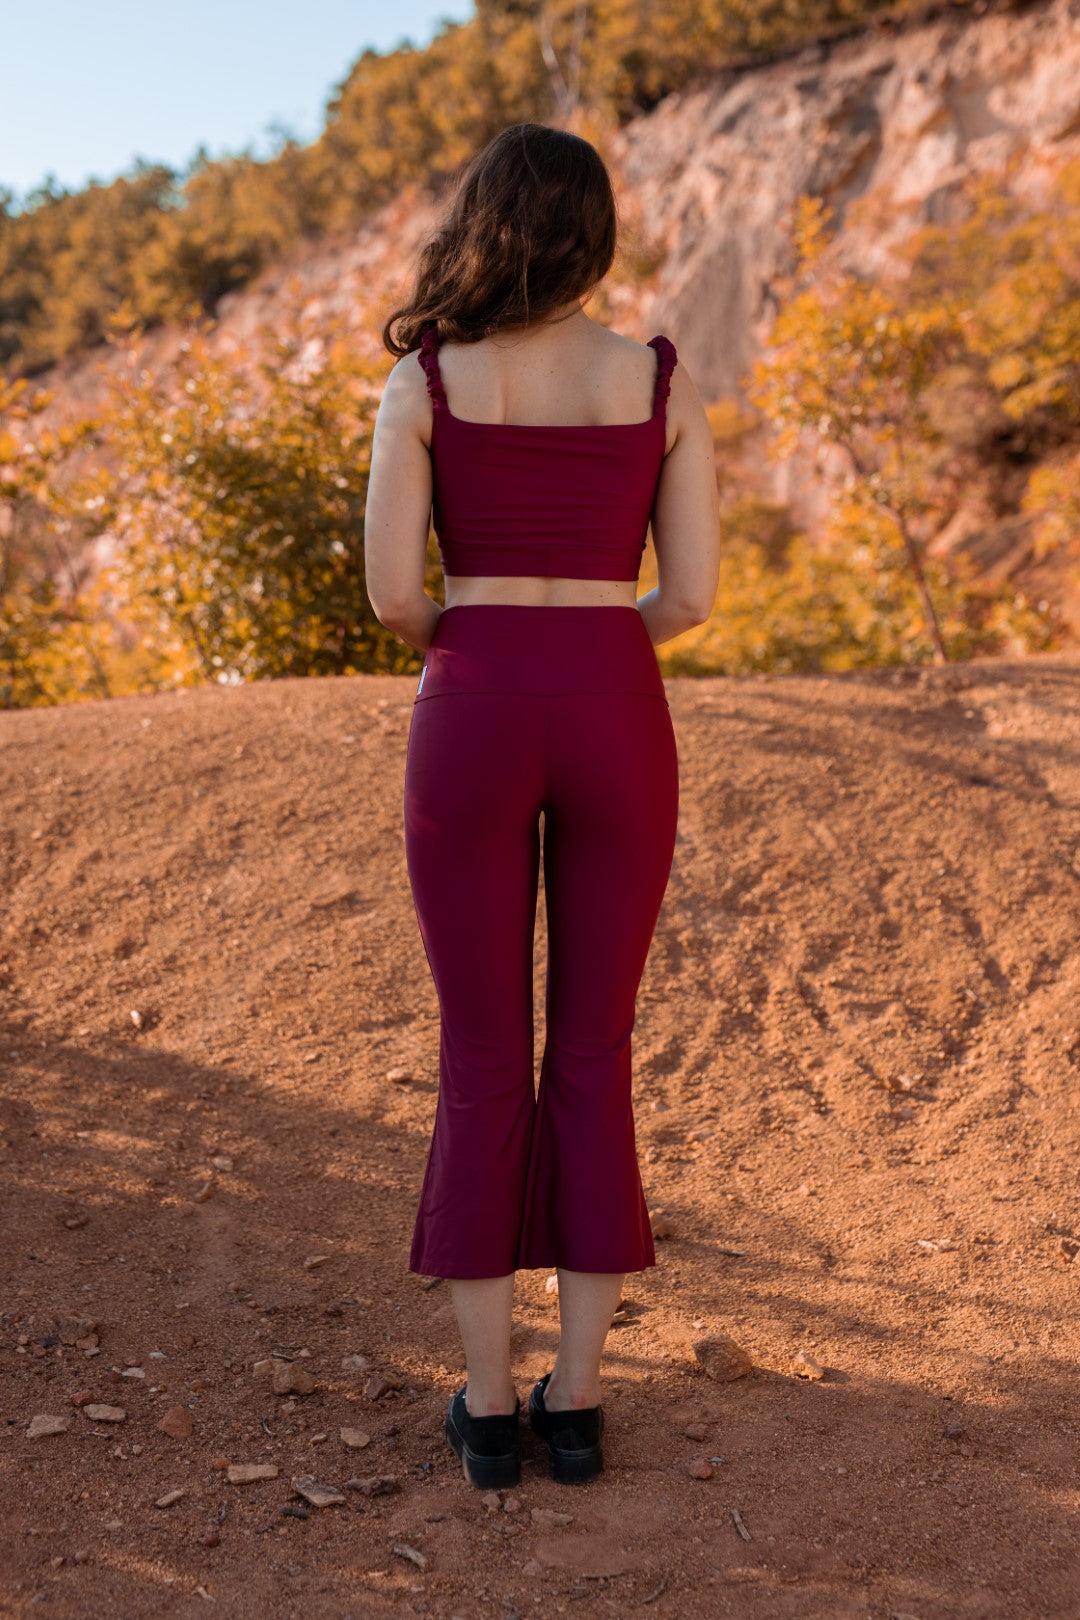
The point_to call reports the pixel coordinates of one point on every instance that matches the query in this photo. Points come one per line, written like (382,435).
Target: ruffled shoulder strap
(429,359)
(666,361)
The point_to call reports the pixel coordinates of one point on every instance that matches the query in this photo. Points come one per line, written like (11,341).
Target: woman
(545,443)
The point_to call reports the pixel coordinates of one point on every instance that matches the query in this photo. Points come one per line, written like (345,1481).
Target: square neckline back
(666,359)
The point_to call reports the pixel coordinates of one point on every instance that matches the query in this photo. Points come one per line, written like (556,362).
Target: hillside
(885,125)
(857,1054)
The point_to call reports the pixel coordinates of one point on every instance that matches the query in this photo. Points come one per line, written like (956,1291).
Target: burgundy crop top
(557,499)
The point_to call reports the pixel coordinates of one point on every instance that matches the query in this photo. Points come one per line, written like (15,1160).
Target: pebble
(168,1499)
(177,1423)
(403,1550)
(104,1414)
(248,1473)
(700,1468)
(204,1192)
(662,1225)
(548,1519)
(133,1372)
(210,1539)
(398,1076)
(375,1485)
(695,1431)
(807,1367)
(222,1161)
(315,1260)
(45,1424)
(380,1384)
(355,1439)
(73,1328)
(355,1364)
(317,1491)
(289,1378)
(722,1358)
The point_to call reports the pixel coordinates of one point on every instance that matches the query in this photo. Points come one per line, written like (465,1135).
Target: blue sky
(89,85)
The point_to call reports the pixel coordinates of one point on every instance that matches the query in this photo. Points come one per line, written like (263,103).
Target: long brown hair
(532,224)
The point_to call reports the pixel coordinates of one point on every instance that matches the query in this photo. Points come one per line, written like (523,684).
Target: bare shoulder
(404,398)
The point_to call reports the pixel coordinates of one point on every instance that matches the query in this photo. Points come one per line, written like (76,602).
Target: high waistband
(526,647)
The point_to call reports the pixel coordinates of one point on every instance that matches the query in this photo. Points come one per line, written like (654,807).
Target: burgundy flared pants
(523,711)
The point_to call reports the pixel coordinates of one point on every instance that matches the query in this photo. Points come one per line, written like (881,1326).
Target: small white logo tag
(420,688)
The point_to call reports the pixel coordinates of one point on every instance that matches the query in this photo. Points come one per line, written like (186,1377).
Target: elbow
(695,610)
(389,612)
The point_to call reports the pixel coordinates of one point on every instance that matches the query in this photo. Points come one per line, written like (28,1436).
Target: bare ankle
(571,1396)
(486,1403)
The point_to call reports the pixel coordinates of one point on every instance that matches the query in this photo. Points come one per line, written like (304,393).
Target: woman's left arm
(397,514)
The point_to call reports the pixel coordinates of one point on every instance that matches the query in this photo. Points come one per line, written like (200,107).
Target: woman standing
(545,443)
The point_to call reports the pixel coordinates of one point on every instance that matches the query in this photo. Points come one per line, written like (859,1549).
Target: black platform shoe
(573,1437)
(489,1447)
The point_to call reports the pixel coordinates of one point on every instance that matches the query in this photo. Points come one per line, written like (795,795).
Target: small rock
(491,1500)
(403,1550)
(695,1431)
(296,1510)
(82,1398)
(374,1485)
(73,1328)
(355,1439)
(548,1519)
(355,1364)
(380,1384)
(104,1414)
(248,1473)
(511,1503)
(722,1358)
(317,1491)
(662,1225)
(313,1261)
(700,1468)
(807,1367)
(73,1222)
(168,1499)
(264,1367)
(222,1161)
(204,1192)
(398,1076)
(45,1424)
(133,1372)
(289,1378)
(81,1557)
(211,1538)
(177,1423)
(551,1284)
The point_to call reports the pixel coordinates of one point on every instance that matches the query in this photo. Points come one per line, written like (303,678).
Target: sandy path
(857,1059)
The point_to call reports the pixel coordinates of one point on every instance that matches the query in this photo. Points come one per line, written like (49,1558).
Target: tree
(851,365)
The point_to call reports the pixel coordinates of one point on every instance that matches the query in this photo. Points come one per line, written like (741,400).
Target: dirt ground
(857,1057)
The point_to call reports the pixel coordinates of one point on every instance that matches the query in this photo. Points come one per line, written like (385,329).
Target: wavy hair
(532,224)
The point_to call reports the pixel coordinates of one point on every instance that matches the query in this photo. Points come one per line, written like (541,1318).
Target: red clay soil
(857,1057)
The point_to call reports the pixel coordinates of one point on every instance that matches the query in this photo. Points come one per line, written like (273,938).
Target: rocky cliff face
(895,116)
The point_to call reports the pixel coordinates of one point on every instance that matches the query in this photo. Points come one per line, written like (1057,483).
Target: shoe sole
(488,1473)
(568,1467)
